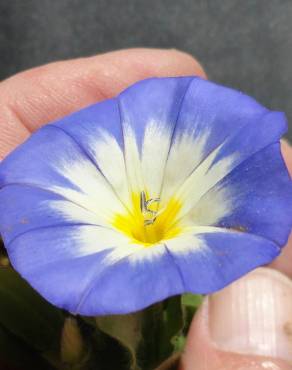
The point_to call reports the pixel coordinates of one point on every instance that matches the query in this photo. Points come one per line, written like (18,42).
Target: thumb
(246,326)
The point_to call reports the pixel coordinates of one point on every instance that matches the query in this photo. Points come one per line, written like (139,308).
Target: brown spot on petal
(239,228)
(24,221)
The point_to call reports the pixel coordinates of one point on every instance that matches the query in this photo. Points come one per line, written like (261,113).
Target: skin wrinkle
(17,114)
(13,131)
(48,79)
(201,353)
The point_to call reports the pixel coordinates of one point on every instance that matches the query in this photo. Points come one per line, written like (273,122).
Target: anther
(144,204)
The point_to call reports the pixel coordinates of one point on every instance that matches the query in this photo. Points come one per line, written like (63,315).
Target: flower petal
(98,132)
(149,113)
(134,283)
(212,149)
(87,270)
(210,258)
(235,150)
(27,208)
(217,128)
(257,196)
(62,168)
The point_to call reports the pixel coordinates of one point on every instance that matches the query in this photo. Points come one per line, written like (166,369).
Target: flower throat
(146,223)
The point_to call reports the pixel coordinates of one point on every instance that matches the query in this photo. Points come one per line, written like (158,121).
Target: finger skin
(40,95)
(287,153)
(284,262)
(200,353)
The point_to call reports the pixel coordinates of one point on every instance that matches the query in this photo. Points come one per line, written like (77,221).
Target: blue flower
(177,185)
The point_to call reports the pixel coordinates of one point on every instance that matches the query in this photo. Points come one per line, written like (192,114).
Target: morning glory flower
(176,185)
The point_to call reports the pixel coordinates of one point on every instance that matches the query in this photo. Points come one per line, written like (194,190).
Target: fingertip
(191,62)
(244,326)
(150,62)
(178,62)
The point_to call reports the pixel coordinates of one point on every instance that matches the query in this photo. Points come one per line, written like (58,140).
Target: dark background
(246,44)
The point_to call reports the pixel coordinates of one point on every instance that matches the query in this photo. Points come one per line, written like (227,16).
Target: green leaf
(171,326)
(16,355)
(162,322)
(104,351)
(178,342)
(190,304)
(149,350)
(126,329)
(25,314)
(191,300)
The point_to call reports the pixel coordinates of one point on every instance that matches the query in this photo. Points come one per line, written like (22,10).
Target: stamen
(144,204)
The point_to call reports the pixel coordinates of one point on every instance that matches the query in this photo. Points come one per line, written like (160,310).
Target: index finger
(37,96)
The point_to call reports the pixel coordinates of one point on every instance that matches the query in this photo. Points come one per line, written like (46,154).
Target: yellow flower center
(147,222)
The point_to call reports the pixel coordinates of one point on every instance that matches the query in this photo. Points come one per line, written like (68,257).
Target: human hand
(47,93)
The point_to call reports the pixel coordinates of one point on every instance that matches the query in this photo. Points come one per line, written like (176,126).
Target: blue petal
(51,215)
(86,124)
(216,111)
(98,132)
(25,208)
(134,285)
(51,160)
(212,260)
(216,120)
(261,191)
(152,101)
(46,246)
(40,160)
(92,284)
(255,196)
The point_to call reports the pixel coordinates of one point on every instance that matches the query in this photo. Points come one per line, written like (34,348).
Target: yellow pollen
(147,223)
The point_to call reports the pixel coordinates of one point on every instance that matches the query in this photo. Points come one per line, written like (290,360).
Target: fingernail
(254,315)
